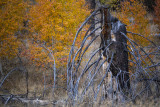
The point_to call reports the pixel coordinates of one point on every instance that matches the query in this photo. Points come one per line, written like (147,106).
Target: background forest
(36,37)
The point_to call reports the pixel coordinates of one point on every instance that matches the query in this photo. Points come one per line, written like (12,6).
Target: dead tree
(112,29)
(126,60)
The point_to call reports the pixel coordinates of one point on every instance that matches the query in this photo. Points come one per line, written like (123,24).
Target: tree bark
(119,67)
(1,70)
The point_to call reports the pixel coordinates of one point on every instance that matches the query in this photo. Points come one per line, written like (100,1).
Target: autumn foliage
(50,23)
(11,22)
(133,13)
(54,24)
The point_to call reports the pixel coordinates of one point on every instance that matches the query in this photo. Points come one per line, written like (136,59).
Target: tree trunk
(120,63)
(112,29)
(1,70)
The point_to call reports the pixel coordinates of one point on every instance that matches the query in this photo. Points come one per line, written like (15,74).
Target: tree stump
(112,36)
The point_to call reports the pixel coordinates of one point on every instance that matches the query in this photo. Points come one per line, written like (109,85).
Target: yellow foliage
(11,20)
(133,14)
(50,22)
(55,23)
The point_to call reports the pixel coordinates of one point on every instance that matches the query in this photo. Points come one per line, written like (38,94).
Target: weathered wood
(7,98)
(112,29)
(105,40)
(107,26)
(120,62)
(106,29)
(1,71)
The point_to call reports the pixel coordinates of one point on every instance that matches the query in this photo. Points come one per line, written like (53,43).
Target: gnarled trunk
(112,34)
